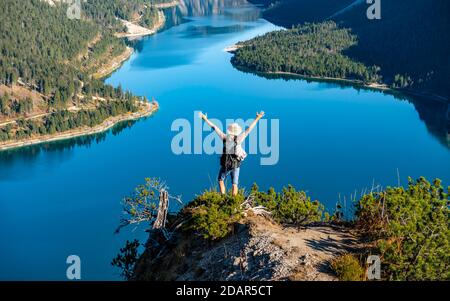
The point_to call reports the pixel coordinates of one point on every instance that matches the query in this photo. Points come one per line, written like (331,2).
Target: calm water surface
(63,198)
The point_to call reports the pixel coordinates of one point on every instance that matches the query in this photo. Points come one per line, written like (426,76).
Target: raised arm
(252,126)
(218,131)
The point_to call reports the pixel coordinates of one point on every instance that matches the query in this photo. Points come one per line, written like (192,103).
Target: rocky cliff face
(257,250)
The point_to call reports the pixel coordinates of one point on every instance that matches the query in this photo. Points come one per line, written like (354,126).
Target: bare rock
(258,250)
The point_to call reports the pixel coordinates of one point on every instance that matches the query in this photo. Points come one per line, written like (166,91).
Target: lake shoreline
(145,111)
(373,86)
(104,71)
(114,64)
(136,31)
(356,83)
(167,4)
(118,61)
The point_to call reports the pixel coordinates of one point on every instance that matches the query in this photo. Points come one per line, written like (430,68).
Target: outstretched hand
(260,114)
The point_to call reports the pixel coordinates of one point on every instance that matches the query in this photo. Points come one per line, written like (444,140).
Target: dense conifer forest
(410,43)
(54,57)
(107,12)
(309,50)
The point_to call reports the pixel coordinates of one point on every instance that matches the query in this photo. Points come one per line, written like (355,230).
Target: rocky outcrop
(257,250)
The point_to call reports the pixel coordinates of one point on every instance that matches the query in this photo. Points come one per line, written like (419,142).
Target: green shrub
(214,214)
(410,230)
(290,206)
(348,268)
(127,258)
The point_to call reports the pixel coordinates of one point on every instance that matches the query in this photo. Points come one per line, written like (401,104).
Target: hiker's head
(234,129)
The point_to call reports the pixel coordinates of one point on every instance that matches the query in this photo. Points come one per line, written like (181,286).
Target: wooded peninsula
(51,65)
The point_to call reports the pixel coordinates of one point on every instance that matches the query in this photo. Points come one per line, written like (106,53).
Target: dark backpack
(229,161)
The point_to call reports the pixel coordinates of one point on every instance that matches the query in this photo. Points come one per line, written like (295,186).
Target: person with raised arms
(233,154)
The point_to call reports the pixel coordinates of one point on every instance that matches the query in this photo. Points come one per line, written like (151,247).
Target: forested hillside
(107,12)
(47,62)
(410,43)
(37,42)
(291,12)
(313,50)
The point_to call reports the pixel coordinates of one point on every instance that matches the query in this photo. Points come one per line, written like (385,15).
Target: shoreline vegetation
(371,86)
(111,59)
(375,86)
(409,56)
(135,31)
(166,4)
(286,235)
(316,51)
(146,109)
(114,64)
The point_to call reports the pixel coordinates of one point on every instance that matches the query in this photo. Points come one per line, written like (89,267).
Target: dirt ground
(259,249)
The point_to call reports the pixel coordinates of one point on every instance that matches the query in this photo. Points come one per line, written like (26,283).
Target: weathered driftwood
(163,207)
(249,205)
(141,206)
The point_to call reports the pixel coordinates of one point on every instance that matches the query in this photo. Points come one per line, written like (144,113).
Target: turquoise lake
(63,198)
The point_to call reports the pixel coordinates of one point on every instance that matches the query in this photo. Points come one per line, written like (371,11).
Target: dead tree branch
(148,203)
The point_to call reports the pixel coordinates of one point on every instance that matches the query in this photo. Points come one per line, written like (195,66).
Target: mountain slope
(289,12)
(47,64)
(410,43)
(410,39)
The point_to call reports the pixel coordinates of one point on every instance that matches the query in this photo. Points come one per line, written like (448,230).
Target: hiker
(233,154)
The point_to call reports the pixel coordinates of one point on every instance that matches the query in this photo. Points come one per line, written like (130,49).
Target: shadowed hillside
(411,40)
(410,43)
(289,12)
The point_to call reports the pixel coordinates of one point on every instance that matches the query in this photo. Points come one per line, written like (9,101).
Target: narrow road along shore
(113,64)
(147,109)
(166,5)
(135,31)
(232,48)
